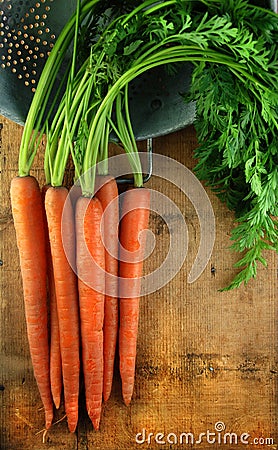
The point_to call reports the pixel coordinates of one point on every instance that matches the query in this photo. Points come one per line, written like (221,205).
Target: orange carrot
(56,381)
(108,195)
(27,208)
(90,260)
(75,192)
(62,242)
(135,217)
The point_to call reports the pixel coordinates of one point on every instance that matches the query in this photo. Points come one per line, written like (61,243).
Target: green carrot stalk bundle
(90,261)
(27,209)
(107,193)
(39,109)
(135,216)
(61,229)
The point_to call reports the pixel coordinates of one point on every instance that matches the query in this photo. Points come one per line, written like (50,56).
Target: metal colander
(27,35)
(28,30)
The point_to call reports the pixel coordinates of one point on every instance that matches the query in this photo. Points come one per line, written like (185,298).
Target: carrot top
(41,107)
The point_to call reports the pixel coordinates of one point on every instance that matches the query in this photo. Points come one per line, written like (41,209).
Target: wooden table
(206,359)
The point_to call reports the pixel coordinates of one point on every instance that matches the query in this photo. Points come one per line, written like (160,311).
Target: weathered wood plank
(204,356)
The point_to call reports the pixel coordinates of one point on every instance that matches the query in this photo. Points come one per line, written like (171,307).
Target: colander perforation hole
(26,38)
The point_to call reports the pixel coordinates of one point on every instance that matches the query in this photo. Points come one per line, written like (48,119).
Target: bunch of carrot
(80,309)
(69,250)
(70,256)
(94,288)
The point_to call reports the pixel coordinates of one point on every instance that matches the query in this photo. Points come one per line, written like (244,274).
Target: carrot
(135,217)
(56,381)
(27,209)
(75,192)
(91,285)
(62,242)
(108,195)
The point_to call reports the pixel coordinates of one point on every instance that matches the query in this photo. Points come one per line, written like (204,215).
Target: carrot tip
(56,400)
(48,421)
(106,395)
(127,400)
(95,423)
(72,426)
(57,404)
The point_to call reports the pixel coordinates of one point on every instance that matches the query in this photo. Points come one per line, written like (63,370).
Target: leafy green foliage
(233,47)
(237,130)
(236,102)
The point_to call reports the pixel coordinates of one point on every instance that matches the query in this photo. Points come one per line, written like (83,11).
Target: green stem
(138,177)
(69,89)
(65,146)
(103,167)
(44,88)
(57,156)
(124,135)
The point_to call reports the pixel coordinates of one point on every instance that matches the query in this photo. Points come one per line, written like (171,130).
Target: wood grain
(204,356)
